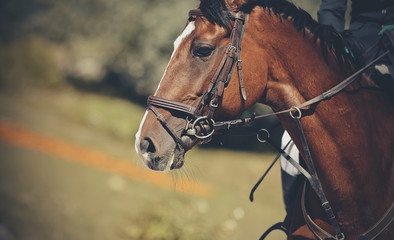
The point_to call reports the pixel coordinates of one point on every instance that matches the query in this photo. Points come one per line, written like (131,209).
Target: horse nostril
(147,146)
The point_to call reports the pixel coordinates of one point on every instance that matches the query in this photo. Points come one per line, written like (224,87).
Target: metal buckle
(204,120)
(342,237)
(263,135)
(299,113)
(231,47)
(214,105)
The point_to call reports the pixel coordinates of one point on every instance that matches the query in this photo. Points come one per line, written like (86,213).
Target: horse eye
(203,51)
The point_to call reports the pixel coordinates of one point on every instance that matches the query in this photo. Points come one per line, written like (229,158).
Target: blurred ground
(45,195)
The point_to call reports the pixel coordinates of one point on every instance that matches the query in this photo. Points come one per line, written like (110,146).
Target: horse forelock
(216,11)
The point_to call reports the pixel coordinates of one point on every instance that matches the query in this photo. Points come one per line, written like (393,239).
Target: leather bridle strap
(172,105)
(223,74)
(164,123)
(196,13)
(339,87)
(226,125)
(217,85)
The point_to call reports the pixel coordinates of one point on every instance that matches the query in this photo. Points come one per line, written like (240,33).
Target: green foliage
(120,43)
(30,60)
(132,40)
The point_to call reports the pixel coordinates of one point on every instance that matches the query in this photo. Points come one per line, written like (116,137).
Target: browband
(195,13)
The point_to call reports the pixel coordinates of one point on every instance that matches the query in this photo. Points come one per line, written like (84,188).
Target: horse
(287,59)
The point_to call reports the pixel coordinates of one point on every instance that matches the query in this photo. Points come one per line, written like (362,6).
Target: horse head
(192,86)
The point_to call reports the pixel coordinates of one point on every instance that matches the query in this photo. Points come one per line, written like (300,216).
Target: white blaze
(138,134)
(188,30)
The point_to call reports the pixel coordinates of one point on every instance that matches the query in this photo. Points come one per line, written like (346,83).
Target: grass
(45,197)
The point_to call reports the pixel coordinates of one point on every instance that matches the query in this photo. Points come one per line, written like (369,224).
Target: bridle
(198,125)
(203,126)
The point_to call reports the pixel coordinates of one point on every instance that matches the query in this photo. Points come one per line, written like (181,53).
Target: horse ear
(235,5)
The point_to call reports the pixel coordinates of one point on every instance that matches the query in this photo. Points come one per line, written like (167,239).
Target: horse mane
(345,48)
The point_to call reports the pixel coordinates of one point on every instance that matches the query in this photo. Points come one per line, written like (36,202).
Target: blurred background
(74,78)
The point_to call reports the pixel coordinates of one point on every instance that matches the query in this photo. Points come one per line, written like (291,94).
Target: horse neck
(353,157)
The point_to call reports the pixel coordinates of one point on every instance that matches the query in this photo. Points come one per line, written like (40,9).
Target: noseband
(197,124)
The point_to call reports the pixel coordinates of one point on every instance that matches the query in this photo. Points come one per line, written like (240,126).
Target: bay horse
(287,59)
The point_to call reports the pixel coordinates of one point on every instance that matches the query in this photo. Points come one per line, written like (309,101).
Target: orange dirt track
(23,137)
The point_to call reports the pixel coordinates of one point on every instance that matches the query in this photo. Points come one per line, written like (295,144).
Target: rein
(322,97)
(203,126)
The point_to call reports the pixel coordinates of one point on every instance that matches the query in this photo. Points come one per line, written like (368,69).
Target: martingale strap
(316,185)
(320,233)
